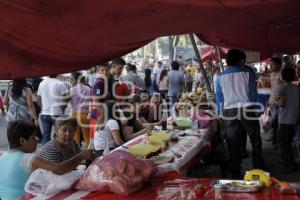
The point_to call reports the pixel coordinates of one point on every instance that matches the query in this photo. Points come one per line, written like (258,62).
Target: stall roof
(40,37)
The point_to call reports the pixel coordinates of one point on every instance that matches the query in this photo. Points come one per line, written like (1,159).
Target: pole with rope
(219,58)
(205,78)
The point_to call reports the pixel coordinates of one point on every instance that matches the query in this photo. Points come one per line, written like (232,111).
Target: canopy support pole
(219,57)
(206,81)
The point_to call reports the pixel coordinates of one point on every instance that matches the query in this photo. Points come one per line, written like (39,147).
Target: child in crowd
(108,131)
(288,102)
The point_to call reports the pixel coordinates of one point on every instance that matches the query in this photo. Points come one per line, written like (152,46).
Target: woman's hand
(89,155)
(160,122)
(150,127)
(36,123)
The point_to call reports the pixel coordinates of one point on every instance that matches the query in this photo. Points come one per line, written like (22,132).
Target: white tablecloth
(188,147)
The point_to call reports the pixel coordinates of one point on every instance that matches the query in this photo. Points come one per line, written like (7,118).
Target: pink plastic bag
(118,172)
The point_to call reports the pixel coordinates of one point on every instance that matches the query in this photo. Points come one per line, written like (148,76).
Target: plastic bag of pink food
(119,172)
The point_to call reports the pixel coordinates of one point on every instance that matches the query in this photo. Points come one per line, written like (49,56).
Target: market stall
(169,186)
(50,37)
(178,150)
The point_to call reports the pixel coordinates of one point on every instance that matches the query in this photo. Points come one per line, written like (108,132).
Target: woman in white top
(163,83)
(108,131)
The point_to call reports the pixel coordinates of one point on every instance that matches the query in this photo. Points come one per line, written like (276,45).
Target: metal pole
(219,57)
(206,81)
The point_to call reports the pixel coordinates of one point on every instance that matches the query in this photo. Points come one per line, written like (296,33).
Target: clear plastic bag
(119,172)
(43,182)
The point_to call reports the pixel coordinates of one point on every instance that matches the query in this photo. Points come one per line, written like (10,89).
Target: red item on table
(119,172)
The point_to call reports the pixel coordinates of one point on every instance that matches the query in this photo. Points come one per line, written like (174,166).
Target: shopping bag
(43,182)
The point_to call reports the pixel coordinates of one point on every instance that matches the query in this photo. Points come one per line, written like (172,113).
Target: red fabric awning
(210,53)
(40,37)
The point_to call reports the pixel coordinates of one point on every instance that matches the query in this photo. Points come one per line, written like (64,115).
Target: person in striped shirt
(63,146)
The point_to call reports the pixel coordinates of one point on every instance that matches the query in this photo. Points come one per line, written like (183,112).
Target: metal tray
(293,189)
(225,185)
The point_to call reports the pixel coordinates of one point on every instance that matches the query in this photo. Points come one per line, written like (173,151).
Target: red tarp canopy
(211,53)
(40,37)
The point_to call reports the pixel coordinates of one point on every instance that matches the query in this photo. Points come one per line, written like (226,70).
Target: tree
(173,42)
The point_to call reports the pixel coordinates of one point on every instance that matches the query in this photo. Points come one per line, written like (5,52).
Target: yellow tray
(157,138)
(143,150)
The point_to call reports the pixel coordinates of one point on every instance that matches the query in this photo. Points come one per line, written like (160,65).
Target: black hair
(105,64)
(110,104)
(78,77)
(163,73)
(118,61)
(175,65)
(159,62)
(131,67)
(53,75)
(134,99)
(18,85)
(144,91)
(35,83)
(109,109)
(276,60)
(148,81)
(234,56)
(288,74)
(287,59)
(19,129)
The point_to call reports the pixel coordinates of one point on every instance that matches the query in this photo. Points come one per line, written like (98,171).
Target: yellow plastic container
(258,175)
(143,150)
(157,138)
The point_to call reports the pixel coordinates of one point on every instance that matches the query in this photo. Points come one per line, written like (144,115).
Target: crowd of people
(103,110)
(283,81)
(238,106)
(115,104)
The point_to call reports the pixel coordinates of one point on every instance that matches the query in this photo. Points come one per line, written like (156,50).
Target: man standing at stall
(156,71)
(236,97)
(276,85)
(51,97)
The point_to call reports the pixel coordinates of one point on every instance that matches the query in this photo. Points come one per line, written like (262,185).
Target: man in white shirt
(93,76)
(157,70)
(50,98)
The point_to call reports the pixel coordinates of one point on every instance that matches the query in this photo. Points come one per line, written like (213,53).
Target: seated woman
(17,164)
(131,120)
(149,111)
(154,111)
(108,130)
(63,146)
